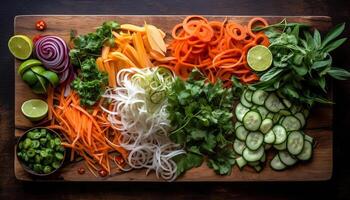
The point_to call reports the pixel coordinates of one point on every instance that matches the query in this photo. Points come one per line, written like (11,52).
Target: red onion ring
(53,52)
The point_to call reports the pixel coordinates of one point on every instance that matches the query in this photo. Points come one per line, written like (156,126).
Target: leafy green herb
(203,115)
(301,61)
(90,82)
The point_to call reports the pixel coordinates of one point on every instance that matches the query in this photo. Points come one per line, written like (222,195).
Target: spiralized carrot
(218,49)
(87,134)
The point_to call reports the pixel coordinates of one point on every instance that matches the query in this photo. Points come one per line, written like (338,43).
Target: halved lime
(29,77)
(20,46)
(35,109)
(38,69)
(51,77)
(28,64)
(259,58)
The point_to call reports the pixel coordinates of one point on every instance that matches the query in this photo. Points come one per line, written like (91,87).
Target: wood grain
(319,123)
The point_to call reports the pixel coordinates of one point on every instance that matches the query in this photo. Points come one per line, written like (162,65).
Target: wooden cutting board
(319,124)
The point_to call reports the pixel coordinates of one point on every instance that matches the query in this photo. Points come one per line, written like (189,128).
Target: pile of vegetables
(139,102)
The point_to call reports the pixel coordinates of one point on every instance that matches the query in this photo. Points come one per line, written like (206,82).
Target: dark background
(337,188)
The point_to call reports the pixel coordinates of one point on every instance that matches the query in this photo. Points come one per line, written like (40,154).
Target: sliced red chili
(102,173)
(40,25)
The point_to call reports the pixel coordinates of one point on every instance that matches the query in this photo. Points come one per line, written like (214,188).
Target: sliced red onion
(53,52)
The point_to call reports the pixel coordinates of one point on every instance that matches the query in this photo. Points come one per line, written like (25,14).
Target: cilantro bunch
(90,82)
(301,61)
(202,113)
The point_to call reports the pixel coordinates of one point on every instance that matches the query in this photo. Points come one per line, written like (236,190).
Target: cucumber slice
(286,158)
(295,142)
(240,111)
(295,108)
(266,125)
(255,163)
(291,123)
(258,168)
(252,121)
(245,103)
(251,156)
(270,115)
(241,133)
(281,119)
(248,95)
(241,162)
(309,138)
(276,164)
(280,147)
(280,133)
(254,140)
(238,146)
(301,118)
(285,112)
(237,124)
(263,111)
(286,103)
(273,104)
(259,97)
(269,137)
(276,118)
(306,153)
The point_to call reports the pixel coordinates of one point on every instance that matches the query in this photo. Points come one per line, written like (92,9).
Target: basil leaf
(317,38)
(338,73)
(319,65)
(300,70)
(335,32)
(330,47)
(271,74)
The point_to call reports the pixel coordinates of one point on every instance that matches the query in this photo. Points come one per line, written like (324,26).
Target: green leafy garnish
(202,113)
(90,82)
(301,61)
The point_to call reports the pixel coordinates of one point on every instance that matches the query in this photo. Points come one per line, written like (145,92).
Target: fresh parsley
(90,82)
(202,113)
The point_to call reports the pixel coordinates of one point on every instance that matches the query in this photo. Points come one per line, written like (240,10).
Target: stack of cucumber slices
(267,120)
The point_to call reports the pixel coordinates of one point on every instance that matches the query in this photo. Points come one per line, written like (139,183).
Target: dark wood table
(337,187)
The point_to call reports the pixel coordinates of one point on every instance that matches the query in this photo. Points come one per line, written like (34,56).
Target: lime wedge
(37,88)
(35,109)
(43,82)
(51,77)
(29,77)
(20,46)
(28,64)
(38,69)
(259,58)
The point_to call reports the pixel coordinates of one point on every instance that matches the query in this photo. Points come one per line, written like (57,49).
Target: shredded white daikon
(140,114)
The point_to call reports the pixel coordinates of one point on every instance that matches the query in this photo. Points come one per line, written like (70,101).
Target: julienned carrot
(89,135)
(218,49)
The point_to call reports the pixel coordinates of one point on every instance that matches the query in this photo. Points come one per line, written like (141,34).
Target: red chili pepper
(37,37)
(81,170)
(102,173)
(40,25)
(119,160)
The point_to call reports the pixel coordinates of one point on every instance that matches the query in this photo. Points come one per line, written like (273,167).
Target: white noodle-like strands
(140,114)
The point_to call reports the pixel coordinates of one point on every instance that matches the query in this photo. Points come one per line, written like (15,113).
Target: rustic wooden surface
(336,188)
(321,118)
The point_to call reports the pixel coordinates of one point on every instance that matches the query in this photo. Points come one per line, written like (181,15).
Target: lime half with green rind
(259,58)
(20,46)
(35,109)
